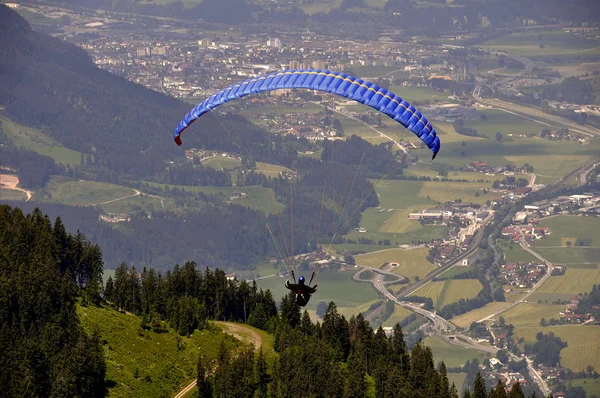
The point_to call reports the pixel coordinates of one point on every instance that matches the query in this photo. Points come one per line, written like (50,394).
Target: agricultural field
(412,263)
(153,356)
(356,127)
(333,286)
(141,202)
(258,197)
(530,314)
(575,68)
(422,170)
(575,281)
(81,193)
(35,140)
(452,355)
(590,385)
(538,44)
(552,159)
(449,291)
(221,162)
(514,253)
(315,8)
(493,121)
(458,269)
(572,229)
(270,170)
(416,95)
(566,255)
(583,343)
(475,315)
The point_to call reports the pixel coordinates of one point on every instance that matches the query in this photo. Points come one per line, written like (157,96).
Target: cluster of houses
(570,315)
(587,202)
(490,170)
(521,274)
(530,231)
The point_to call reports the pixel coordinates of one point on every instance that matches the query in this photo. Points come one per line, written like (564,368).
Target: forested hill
(44,272)
(54,86)
(44,350)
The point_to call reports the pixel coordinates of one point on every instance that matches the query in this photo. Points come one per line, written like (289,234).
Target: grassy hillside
(144,363)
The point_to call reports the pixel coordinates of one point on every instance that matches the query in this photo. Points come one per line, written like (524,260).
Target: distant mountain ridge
(55,86)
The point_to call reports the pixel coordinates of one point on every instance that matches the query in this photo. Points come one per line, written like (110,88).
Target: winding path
(9,181)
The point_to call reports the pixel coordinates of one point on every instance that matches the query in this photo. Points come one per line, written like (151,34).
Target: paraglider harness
(301,290)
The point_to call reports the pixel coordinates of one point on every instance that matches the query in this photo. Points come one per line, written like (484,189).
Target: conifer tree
(479,390)
(262,377)
(109,290)
(202,381)
(516,392)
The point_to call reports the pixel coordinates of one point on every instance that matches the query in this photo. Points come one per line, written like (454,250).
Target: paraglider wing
(350,87)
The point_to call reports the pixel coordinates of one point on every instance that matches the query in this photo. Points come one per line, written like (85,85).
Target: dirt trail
(240,332)
(9,181)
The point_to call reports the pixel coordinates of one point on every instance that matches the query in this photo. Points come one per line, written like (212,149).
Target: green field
(421,169)
(517,254)
(543,43)
(590,385)
(452,355)
(467,318)
(575,68)
(315,8)
(530,314)
(35,140)
(575,281)
(141,202)
(566,255)
(449,291)
(222,162)
(412,263)
(163,368)
(419,94)
(399,314)
(11,194)
(356,127)
(505,123)
(333,286)
(80,193)
(258,197)
(271,170)
(576,228)
(458,269)
(549,158)
(583,343)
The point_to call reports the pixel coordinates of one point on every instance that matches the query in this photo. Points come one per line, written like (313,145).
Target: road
(240,332)
(523,299)
(452,263)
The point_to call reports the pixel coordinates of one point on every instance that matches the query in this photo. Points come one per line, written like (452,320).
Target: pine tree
(109,290)
(516,392)
(356,387)
(261,376)
(290,311)
(499,391)
(445,384)
(479,389)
